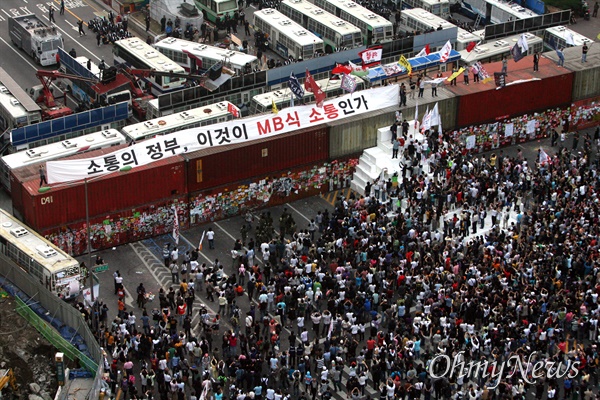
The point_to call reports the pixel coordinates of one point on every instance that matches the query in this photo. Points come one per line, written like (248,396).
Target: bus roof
(433,2)
(18,93)
(155,126)
(563,31)
(500,46)
(287,26)
(33,244)
(360,12)
(426,18)
(65,148)
(513,9)
(11,105)
(203,50)
(321,16)
(149,55)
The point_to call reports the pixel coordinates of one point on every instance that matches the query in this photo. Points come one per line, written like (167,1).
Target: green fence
(70,351)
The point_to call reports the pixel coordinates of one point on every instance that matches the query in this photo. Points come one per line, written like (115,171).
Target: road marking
(68,9)
(41,7)
(295,209)
(2,18)
(4,11)
(18,52)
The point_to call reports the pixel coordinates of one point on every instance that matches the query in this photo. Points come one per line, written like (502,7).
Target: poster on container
(509,129)
(470,142)
(237,131)
(531,127)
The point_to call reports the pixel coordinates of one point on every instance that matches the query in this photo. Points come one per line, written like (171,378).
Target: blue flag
(295,87)
(517,53)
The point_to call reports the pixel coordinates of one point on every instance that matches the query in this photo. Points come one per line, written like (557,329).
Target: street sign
(100,268)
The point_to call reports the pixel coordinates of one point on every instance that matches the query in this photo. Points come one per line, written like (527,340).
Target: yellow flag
(456,74)
(404,63)
(274,107)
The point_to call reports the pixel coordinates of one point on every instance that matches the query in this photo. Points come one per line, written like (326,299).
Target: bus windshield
(47,45)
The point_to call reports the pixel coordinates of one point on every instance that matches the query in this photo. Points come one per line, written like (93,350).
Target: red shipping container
(65,203)
(480,103)
(234,163)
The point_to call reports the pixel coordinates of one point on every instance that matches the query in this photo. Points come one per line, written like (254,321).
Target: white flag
(570,39)
(543,157)
(523,43)
(426,123)
(435,116)
(176,226)
(422,53)
(417,115)
(440,127)
(445,52)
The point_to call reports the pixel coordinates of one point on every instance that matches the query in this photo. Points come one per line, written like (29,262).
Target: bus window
(227,6)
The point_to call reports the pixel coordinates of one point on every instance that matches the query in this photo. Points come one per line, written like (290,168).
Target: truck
(43,95)
(37,39)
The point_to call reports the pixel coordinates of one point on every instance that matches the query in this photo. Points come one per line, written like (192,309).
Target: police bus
(215,10)
(136,53)
(496,50)
(196,57)
(499,11)
(441,8)
(16,107)
(375,28)
(287,37)
(336,33)
(564,37)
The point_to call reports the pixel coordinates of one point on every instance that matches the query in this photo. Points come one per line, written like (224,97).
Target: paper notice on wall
(531,127)
(470,142)
(509,129)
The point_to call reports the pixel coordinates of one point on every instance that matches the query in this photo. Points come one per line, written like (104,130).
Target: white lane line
(18,52)
(75,40)
(295,209)
(4,11)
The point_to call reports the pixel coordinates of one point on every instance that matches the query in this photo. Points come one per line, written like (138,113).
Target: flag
(456,74)
(358,70)
(543,157)
(176,226)
(425,124)
(201,240)
(295,87)
(424,51)
(523,43)
(445,52)
(552,43)
(341,69)
(471,46)
(517,53)
(404,63)
(274,108)
(435,81)
(233,110)
(311,86)
(417,115)
(435,115)
(440,127)
(371,55)
(570,39)
(348,83)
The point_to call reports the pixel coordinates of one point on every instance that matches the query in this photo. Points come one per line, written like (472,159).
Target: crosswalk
(331,197)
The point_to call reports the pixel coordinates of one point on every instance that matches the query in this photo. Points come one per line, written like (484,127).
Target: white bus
(501,11)
(336,33)
(16,107)
(441,8)
(375,28)
(463,38)
(136,53)
(496,50)
(417,19)
(46,263)
(561,34)
(287,37)
(185,53)
(263,103)
(200,116)
(53,151)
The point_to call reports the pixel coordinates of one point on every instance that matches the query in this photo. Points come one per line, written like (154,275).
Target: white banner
(232,132)
(509,129)
(531,126)
(470,142)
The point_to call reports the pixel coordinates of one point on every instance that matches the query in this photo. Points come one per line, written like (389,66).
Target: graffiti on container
(114,230)
(210,207)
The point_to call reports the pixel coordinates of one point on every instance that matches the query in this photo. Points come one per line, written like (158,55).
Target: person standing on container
(561,57)
(505,66)
(210,236)
(43,176)
(584,51)
(536,61)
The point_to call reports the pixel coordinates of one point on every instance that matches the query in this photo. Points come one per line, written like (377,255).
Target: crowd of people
(488,259)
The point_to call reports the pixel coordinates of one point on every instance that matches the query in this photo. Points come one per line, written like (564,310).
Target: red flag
(427,49)
(311,86)
(471,46)
(233,110)
(341,69)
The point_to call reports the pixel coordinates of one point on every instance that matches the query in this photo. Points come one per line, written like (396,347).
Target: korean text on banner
(231,132)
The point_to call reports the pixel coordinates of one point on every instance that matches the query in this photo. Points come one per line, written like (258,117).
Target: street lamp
(89,251)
